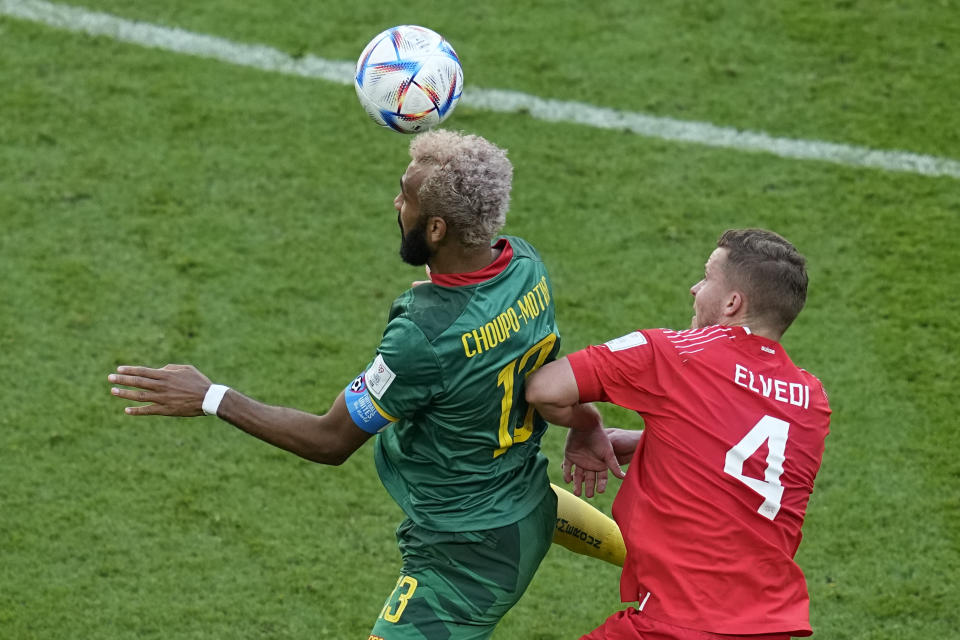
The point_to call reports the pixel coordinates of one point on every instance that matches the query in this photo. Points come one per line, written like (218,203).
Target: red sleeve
(620,371)
(582,363)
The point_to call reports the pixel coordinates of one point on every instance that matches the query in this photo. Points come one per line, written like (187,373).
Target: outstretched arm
(179,390)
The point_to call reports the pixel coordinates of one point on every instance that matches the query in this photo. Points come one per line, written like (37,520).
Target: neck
(460,260)
(757,329)
(766,333)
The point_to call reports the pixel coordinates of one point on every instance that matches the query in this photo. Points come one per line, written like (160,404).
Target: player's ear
(735,304)
(436,229)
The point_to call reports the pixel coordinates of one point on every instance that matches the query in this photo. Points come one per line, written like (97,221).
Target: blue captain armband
(364,412)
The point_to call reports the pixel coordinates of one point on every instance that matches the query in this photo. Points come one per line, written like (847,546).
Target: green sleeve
(406,373)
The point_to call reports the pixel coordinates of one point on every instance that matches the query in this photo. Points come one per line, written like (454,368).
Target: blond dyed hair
(468,184)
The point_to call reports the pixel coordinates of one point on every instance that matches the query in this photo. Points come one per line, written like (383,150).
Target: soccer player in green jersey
(458,447)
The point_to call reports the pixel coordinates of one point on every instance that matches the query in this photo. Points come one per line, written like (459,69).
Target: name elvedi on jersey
(505,324)
(787,392)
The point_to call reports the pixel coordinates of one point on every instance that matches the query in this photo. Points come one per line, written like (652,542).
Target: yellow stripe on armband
(584,529)
(381,411)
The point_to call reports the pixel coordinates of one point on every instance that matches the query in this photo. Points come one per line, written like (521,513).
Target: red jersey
(712,505)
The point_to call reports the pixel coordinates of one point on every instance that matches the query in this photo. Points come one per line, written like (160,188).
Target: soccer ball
(409,79)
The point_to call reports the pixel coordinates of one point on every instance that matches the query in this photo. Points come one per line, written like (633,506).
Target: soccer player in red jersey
(712,506)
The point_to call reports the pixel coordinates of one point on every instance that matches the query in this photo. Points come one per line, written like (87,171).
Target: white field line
(268,59)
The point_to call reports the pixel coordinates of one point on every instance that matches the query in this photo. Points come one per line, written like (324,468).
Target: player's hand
(175,390)
(587,456)
(417,283)
(624,442)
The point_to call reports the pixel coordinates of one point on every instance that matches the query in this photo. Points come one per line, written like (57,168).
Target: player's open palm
(587,456)
(174,390)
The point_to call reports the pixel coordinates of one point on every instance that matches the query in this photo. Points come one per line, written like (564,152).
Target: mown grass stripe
(269,59)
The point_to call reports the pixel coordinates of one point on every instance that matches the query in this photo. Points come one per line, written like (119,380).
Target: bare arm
(553,391)
(624,443)
(178,390)
(328,439)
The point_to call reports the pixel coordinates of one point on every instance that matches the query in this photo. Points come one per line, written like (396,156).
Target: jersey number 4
(773,431)
(505,379)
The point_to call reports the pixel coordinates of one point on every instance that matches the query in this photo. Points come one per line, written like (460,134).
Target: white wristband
(211,401)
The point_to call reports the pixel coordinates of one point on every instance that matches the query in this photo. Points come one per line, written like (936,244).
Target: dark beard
(413,245)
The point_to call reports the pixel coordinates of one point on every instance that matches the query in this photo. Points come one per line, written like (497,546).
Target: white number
(773,431)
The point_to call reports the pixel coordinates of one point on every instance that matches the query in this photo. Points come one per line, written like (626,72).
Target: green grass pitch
(157,207)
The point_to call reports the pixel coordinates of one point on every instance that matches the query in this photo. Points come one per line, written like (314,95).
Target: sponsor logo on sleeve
(634,339)
(379,377)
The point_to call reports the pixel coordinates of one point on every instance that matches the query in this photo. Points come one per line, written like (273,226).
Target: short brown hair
(771,272)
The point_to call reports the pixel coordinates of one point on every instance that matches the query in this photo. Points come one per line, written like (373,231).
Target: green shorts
(457,586)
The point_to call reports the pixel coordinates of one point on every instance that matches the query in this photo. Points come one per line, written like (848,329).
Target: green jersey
(463,452)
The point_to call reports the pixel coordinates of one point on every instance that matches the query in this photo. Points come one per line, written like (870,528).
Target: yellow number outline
(402,599)
(505,378)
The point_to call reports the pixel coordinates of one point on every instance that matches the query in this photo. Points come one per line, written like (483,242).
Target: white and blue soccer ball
(409,79)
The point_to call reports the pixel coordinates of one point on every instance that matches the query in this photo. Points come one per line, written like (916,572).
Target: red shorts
(633,625)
